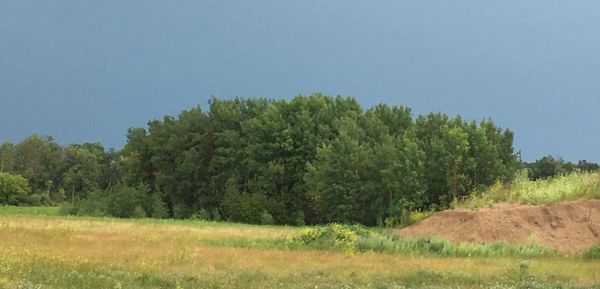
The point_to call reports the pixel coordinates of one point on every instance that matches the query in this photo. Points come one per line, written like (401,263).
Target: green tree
(14,189)
(82,169)
(7,157)
(38,160)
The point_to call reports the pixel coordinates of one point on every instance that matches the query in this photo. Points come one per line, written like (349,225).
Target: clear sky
(87,70)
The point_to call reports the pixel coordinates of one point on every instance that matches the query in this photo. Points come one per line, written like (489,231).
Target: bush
(406,218)
(138,212)
(216,216)
(202,215)
(299,218)
(592,253)
(418,216)
(158,207)
(35,200)
(266,218)
(122,201)
(95,204)
(334,236)
(68,209)
(14,189)
(180,211)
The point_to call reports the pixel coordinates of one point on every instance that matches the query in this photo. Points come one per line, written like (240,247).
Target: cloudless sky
(88,70)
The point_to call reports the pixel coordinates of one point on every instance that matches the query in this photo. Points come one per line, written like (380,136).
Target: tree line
(550,166)
(312,159)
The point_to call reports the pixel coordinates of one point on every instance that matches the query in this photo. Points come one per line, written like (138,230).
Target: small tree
(14,189)
(122,201)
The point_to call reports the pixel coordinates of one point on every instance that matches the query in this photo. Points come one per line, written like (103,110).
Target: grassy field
(39,249)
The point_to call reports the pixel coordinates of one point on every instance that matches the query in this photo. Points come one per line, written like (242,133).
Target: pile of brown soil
(568,227)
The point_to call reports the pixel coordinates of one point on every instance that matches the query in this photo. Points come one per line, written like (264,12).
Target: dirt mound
(568,227)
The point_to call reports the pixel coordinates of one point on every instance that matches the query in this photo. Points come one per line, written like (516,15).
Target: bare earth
(568,227)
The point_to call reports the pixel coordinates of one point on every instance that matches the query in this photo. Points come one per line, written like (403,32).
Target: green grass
(546,191)
(30,211)
(353,239)
(592,253)
(433,246)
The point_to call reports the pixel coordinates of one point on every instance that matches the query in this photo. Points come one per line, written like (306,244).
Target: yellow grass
(166,248)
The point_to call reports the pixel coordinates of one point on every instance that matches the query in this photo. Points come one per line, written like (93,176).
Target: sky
(86,71)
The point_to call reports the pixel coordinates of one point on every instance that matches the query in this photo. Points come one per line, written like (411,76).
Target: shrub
(180,211)
(202,215)
(299,218)
(266,218)
(216,216)
(67,208)
(34,200)
(14,189)
(418,216)
(96,204)
(122,200)
(406,218)
(158,207)
(329,237)
(138,212)
(592,253)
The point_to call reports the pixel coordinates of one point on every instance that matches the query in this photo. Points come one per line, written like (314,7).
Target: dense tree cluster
(311,159)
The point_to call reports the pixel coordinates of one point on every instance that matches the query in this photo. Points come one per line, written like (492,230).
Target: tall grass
(546,191)
(352,239)
(434,246)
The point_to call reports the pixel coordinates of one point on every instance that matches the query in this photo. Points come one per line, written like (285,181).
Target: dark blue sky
(87,70)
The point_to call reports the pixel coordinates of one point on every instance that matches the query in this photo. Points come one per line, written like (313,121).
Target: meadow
(40,249)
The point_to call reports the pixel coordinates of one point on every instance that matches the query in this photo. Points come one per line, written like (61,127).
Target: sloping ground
(568,227)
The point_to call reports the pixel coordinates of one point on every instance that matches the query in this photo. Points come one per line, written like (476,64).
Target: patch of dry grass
(179,250)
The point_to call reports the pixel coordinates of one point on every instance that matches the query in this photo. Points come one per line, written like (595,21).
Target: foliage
(390,243)
(121,201)
(333,236)
(418,216)
(592,253)
(14,189)
(542,191)
(309,160)
(349,239)
(551,166)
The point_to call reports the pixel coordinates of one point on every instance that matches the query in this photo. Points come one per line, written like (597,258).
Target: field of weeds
(39,249)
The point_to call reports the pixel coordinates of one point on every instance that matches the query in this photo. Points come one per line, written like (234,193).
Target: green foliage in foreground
(592,253)
(349,239)
(544,191)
